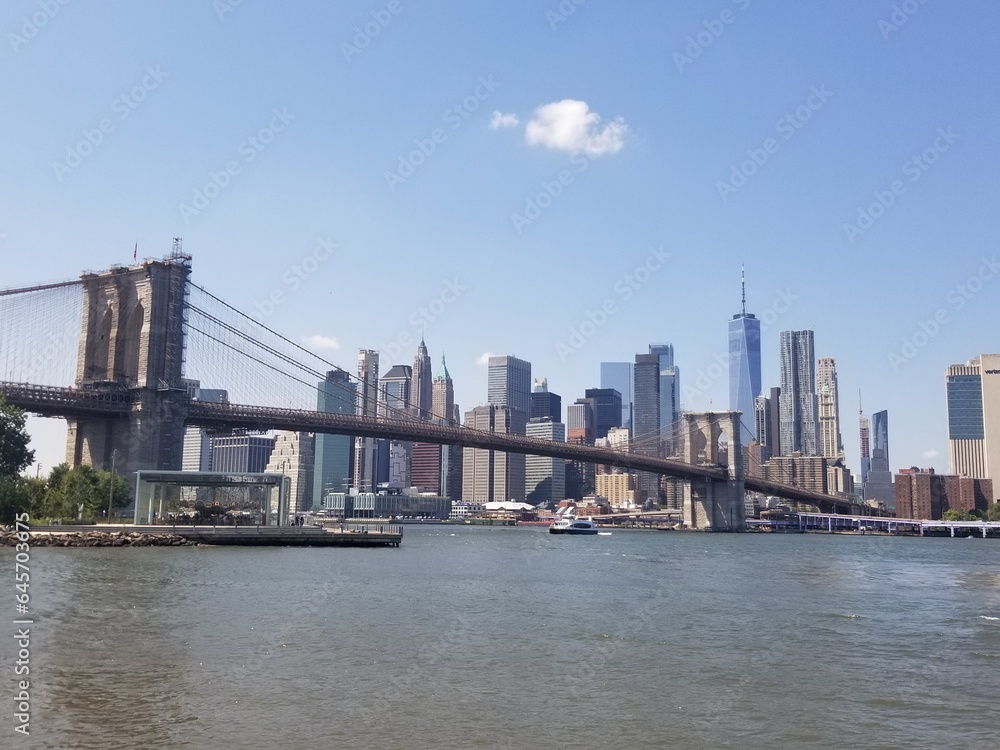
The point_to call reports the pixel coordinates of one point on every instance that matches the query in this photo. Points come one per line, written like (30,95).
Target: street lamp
(111,484)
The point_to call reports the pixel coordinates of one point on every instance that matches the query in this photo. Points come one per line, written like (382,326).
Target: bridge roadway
(82,403)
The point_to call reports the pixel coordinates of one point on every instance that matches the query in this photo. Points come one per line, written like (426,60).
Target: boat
(573,526)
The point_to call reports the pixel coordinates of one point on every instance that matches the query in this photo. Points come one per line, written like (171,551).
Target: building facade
(488,475)
(973,392)
(365,448)
(619,375)
(422,400)
(544,476)
(828,399)
(744,367)
(509,383)
(920,493)
(294,456)
(798,403)
(334,453)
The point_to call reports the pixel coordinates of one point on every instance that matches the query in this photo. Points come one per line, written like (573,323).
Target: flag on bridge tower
(135,251)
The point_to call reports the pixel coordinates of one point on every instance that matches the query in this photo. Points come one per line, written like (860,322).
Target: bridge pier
(132,341)
(709,504)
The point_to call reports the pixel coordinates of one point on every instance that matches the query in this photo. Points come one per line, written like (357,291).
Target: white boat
(573,526)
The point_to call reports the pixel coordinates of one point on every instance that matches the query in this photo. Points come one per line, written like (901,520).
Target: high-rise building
(241,454)
(197,451)
(920,493)
(394,391)
(763,426)
(431,462)
(831,444)
(798,402)
(488,475)
(293,456)
(334,453)
(646,438)
(879,483)
(744,366)
(974,417)
(544,476)
(864,436)
(607,409)
(509,383)
(580,421)
(442,393)
(670,394)
(544,403)
(365,448)
(421,398)
(619,375)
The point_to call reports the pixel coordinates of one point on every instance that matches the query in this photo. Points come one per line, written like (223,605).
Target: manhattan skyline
(632,158)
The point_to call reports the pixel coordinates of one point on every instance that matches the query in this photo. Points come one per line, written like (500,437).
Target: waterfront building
(923,494)
(621,490)
(509,383)
(798,404)
(607,404)
(544,476)
(831,444)
(365,448)
(489,475)
(421,374)
(973,392)
(544,403)
(878,486)
(241,454)
(294,456)
(334,453)
(744,367)
(619,375)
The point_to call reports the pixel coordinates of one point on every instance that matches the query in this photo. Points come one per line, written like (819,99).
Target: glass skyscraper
(744,368)
(670,394)
(619,375)
(798,401)
(509,383)
(337,393)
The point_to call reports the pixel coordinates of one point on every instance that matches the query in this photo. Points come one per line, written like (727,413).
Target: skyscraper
(431,462)
(334,453)
(879,484)
(544,476)
(421,390)
(607,409)
(864,435)
(744,367)
(365,465)
(443,393)
(509,383)
(544,403)
(670,394)
(488,475)
(646,437)
(619,375)
(973,391)
(294,456)
(831,445)
(394,391)
(798,402)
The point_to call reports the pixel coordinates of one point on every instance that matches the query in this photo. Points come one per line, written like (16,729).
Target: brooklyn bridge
(109,353)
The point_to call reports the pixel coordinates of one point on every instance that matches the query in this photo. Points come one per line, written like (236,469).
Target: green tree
(83,491)
(15,456)
(993,513)
(954,514)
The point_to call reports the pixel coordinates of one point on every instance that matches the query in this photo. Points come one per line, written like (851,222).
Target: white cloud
(501,120)
(569,125)
(932,453)
(322,342)
(484,358)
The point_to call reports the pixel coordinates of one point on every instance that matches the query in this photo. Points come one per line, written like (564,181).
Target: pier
(833,523)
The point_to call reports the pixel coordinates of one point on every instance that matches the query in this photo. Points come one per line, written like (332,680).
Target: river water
(494,637)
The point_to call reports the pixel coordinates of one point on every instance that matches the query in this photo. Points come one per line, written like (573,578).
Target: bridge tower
(709,504)
(132,339)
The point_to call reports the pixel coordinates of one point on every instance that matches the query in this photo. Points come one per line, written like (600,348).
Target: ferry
(573,526)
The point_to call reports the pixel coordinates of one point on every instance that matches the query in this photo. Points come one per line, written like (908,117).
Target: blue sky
(845,152)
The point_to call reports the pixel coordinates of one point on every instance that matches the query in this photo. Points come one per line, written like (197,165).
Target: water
(493,637)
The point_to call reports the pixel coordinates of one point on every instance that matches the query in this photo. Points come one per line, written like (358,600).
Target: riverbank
(96,539)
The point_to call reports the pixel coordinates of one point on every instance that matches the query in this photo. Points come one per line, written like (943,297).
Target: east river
(486,637)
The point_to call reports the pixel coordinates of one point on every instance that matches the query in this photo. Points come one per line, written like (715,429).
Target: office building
(619,375)
(828,399)
(365,448)
(421,400)
(241,454)
(509,383)
(197,451)
(442,394)
(744,367)
(798,402)
(878,486)
(646,437)
(293,455)
(488,475)
(620,490)
(669,396)
(607,409)
(973,392)
(544,476)
(544,403)
(580,422)
(864,437)
(394,391)
(334,453)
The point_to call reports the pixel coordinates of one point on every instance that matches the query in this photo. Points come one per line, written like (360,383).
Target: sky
(566,182)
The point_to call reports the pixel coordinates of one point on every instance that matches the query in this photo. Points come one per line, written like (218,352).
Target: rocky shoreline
(96,539)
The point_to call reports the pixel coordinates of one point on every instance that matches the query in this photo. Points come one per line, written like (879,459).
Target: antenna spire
(743,283)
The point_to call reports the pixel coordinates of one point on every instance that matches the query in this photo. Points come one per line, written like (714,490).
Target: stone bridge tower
(713,505)
(132,340)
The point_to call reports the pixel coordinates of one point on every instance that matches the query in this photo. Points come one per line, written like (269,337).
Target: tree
(954,514)
(993,513)
(15,455)
(83,491)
